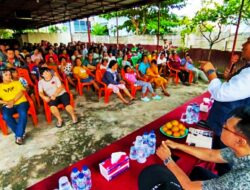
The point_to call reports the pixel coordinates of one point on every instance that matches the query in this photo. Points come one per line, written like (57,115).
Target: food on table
(174,128)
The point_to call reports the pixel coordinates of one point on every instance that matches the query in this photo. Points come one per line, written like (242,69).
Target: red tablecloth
(127,180)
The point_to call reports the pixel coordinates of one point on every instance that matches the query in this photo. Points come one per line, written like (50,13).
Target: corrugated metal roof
(24,14)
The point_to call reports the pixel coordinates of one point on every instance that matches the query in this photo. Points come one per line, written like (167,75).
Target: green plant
(6,33)
(144,19)
(99,29)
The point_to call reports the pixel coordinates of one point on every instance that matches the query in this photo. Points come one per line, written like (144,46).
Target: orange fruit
(169,125)
(182,132)
(181,126)
(165,128)
(175,129)
(176,134)
(169,132)
(175,122)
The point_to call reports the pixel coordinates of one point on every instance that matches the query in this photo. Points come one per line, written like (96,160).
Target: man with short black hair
(235,135)
(11,61)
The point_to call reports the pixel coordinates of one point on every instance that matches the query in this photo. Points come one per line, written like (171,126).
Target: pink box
(109,170)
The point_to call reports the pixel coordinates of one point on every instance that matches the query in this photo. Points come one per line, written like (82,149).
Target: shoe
(24,136)
(129,103)
(75,122)
(156,97)
(19,141)
(166,93)
(59,125)
(145,99)
(186,84)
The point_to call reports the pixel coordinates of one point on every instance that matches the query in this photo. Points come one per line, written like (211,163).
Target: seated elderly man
(230,94)
(235,134)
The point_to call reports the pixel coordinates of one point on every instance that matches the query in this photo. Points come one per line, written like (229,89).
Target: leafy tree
(6,34)
(144,19)
(212,19)
(99,29)
(57,29)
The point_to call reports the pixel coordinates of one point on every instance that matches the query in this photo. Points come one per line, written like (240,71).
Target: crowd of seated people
(66,63)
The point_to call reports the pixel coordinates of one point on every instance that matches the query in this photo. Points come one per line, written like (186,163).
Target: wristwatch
(210,71)
(167,160)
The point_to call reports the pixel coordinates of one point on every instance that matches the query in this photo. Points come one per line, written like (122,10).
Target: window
(80,26)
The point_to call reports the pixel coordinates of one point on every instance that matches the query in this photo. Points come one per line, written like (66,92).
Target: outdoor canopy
(34,14)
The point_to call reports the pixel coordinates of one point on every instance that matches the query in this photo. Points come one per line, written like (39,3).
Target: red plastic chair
(80,85)
(131,86)
(3,126)
(31,111)
(47,111)
(174,74)
(25,74)
(107,91)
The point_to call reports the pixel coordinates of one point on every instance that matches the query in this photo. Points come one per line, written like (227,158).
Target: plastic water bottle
(140,150)
(73,176)
(64,183)
(189,114)
(145,138)
(133,153)
(196,113)
(152,142)
(86,171)
(81,182)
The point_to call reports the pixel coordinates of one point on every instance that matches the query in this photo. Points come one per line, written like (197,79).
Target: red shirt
(54,56)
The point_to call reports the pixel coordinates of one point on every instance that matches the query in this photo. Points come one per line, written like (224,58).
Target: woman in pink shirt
(130,75)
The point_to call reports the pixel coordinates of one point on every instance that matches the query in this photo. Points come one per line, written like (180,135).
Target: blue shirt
(143,67)
(189,65)
(238,178)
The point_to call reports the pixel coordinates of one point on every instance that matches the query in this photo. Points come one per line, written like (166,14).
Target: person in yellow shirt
(14,101)
(155,77)
(83,73)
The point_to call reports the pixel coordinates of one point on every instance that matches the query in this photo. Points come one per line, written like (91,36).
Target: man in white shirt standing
(227,95)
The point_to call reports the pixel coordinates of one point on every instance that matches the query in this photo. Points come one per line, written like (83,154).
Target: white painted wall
(193,40)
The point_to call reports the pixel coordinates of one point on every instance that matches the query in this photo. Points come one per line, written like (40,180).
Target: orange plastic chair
(107,91)
(80,85)
(130,85)
(25,74)
(3,126)
(31,111)
(173,73)
(47,111)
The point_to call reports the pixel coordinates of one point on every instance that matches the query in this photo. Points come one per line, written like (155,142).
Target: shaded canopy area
(34,14)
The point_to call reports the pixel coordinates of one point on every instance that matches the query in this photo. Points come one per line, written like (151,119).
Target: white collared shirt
(237,88)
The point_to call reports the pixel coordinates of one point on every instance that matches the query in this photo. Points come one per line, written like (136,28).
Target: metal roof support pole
(117,30)
(237,29)
(89,35)
(70,31)
(158,30)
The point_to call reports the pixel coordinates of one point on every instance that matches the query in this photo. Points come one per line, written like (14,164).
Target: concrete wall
(193,40)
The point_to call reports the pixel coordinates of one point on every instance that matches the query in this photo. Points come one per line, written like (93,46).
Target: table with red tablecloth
(128,179)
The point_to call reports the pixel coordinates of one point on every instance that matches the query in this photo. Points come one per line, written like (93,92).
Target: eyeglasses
(235,133)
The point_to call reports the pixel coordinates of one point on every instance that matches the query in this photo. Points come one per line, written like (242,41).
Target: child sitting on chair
(130,75)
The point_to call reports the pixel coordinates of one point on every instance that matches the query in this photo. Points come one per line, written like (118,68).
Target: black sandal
(77,121)
(58,125)
(19,141)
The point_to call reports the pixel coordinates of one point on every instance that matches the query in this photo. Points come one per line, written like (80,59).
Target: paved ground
(48,149)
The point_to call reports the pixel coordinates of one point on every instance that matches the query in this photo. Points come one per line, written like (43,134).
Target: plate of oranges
(174,129)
